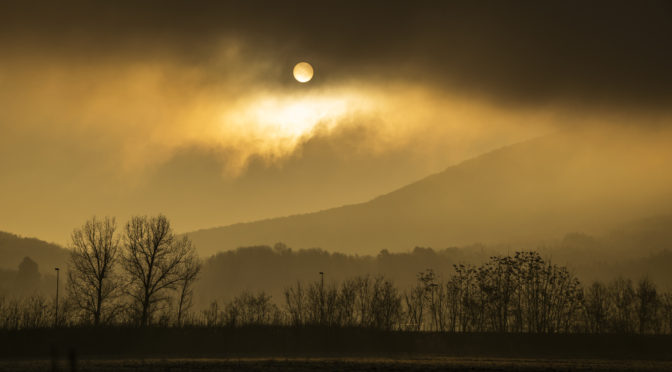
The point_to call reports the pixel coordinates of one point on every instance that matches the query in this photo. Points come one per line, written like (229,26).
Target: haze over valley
(255,185)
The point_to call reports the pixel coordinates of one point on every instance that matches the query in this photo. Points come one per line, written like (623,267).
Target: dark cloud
(596,53)
(123,107)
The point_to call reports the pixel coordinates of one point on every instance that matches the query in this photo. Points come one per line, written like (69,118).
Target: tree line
(143,275)
(519,294)
(133,276)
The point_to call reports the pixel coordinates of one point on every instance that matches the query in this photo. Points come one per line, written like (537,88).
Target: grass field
(287,342)
(338,364)
(324,349)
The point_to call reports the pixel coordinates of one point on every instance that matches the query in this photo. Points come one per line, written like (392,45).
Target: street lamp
(434,310)
(57,276)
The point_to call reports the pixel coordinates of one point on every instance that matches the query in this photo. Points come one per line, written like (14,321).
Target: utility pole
(434,312)
(57,276)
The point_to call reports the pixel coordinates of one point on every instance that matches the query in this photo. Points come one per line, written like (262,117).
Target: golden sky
(130,109)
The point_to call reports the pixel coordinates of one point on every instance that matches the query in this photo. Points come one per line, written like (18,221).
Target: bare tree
(385,310)
(250,309)
(92,283)
(415,303)
(156,262)
(363,300)
(596,307)
(623,300)
(666,307)
(191,269)
(296,304)
(346,303)
(647,306)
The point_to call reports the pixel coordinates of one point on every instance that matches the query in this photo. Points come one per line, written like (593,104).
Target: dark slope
(14,248)
(526,192)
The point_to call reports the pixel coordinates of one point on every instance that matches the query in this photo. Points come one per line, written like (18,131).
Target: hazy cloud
(189,107)
(608,53)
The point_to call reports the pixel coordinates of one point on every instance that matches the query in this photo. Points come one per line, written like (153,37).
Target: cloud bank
(190,108)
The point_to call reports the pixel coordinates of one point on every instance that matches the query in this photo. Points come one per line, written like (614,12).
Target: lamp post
(57,277)
(434,312)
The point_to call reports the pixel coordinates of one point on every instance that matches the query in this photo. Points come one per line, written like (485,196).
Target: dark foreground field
(338,364)
(315,348)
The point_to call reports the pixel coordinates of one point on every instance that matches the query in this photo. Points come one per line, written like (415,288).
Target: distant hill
(627,252)
(14,248)
(530,191)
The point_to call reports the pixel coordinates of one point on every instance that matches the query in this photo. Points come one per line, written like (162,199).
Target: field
(338,364)
(315,348)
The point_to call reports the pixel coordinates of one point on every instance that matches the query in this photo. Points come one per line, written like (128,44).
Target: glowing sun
(303,72)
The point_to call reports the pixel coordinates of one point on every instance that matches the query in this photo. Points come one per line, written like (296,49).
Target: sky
(190,108)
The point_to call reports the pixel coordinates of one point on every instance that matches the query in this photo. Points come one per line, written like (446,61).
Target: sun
(303,72)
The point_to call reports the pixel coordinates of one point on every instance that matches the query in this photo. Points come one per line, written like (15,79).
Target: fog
(138,108)
(142,135)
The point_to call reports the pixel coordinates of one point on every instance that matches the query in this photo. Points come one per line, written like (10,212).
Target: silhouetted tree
(415,303)
(385,305)
(363,300)
(35,312)
(28,277)
(470,310)
(666,310)
(155,260)
(597,308)
(211,315)
(624,309)
(346,303)
(296,304)
(647,306)
(498,285)
(249,309)
(92,283)
(189,273)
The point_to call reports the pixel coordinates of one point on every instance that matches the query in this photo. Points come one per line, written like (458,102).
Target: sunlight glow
(297,117)
(289,118)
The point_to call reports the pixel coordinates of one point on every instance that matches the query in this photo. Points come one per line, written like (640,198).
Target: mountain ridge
(13,248)
(543,187)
